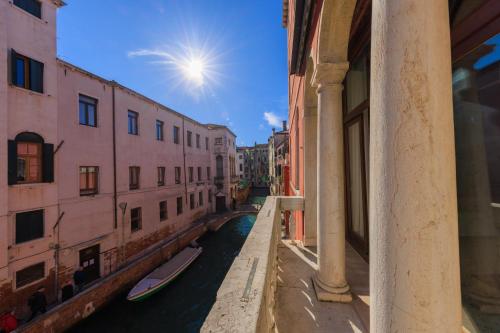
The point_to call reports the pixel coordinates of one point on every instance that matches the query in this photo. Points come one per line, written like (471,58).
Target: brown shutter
(48,163)
(12,163)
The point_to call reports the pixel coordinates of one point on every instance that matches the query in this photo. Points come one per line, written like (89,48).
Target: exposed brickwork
(135,247)
(10,299)
(69,313)
(242,195)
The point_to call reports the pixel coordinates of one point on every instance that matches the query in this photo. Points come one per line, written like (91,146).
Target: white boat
(164,274)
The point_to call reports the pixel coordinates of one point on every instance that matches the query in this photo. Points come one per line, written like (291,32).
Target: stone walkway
(298,310)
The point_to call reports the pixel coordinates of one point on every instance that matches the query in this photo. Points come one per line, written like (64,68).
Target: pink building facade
(97,173)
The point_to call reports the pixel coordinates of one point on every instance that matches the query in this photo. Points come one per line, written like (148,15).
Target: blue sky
(141,44)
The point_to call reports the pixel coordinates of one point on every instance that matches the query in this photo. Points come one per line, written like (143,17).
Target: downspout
(115,196)
(184,161)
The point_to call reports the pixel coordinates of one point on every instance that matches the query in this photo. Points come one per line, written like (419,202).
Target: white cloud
(272,119)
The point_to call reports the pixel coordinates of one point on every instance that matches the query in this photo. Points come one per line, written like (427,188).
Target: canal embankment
(97,295)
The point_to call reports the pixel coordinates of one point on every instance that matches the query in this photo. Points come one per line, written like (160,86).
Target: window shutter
(36,76)
(48,163)
(12,163)
(13,57)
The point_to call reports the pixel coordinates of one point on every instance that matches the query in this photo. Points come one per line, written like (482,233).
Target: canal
(183,305)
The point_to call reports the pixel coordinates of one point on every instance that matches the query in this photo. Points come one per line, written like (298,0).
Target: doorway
(220,204)
(89,261)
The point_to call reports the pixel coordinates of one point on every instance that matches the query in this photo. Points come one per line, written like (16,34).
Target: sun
(194,70)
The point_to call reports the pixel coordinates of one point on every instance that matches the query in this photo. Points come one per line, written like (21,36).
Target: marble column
(310,174)
(414,258)
(330,279)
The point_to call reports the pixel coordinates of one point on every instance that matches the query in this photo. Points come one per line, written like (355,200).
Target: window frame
(87,104)
(134,186)
(28,72)
(27,158)
(161,175)
(163,205)
(200,198)
(179,206)
(198,141)
(178,175)
(88,191)
(17,240)
(176,135)
(192,204)
(159,130)
(27,283)
(134,117)
(189,135)
(191,174)
(136,219)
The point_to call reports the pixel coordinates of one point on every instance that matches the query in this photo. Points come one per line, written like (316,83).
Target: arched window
(220,166)
(31,160)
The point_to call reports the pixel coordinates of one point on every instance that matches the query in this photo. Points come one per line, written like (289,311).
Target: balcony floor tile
(298,310)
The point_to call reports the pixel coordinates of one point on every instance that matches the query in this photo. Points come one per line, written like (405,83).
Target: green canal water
(184,304)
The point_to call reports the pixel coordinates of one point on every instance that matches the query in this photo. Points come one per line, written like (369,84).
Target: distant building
(278,160)
(255,164)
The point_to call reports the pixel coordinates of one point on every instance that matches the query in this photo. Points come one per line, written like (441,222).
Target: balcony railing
(245,300)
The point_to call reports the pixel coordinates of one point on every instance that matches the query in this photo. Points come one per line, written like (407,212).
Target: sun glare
(194,70)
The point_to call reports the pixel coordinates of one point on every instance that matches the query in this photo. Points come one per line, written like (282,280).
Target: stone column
(310,174)
(414,258)
(330,280)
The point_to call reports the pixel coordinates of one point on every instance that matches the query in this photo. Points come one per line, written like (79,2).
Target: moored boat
(164,274)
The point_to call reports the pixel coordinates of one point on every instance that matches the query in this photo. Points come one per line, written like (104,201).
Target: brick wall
(69,313)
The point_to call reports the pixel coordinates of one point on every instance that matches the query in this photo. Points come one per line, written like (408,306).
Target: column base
(324,294)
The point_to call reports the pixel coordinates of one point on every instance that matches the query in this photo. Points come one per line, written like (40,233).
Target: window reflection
(476,93)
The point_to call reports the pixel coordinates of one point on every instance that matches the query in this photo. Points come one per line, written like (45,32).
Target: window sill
(93,194)
(26,90)
(29,185)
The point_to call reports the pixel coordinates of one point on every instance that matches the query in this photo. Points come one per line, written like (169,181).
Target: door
(89,260)
(220,204)
(357,215)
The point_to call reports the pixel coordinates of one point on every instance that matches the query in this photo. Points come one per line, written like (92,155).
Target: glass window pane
(20,72)
(82,114)
(357,83)
(476,101)
(91,114)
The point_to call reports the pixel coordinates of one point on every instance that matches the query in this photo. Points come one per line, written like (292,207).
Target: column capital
(329,73)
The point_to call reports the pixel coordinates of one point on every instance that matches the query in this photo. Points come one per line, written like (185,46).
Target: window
(30,274)
(26,73)
(30,160)
(199,173)
(241,167)
(133,123)
(191,200)
(208,173)
(220,166)
(210,196)
(176,135)
(136,219)
(200,198)
(240,157)
(134,175)
(190,174)
(179,205)
(189,138)
(198,141)
(29,226)
(161,176)
(218,141)
(163,211)
(177,175)
(159,130)
(88,180)
(88,111)
(206,143)
(33,7)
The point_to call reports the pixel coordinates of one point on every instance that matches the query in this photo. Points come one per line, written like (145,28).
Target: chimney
(284,125)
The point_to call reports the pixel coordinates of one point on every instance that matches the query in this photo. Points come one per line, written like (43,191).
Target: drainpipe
(115,196)
(56,252)
(184,161)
